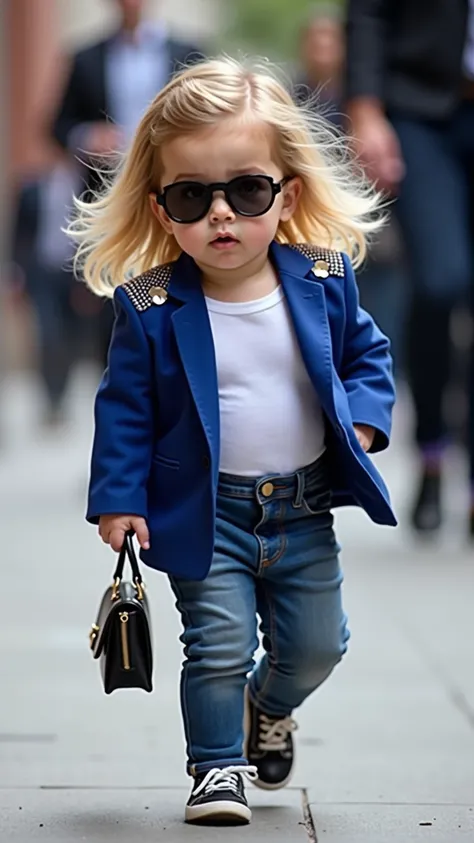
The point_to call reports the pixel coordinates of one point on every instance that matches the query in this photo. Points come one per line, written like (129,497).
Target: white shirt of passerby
(271,420)
(136,69)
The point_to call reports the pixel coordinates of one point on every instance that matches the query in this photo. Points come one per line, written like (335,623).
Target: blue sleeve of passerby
(366,370)
(121,454)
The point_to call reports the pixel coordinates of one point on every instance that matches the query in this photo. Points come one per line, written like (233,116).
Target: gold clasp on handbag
(93,634)
(139,587)
(115,589)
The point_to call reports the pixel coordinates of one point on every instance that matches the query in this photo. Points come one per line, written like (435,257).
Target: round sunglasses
(248,196)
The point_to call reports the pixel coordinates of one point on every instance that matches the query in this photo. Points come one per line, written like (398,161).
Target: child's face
(219,154)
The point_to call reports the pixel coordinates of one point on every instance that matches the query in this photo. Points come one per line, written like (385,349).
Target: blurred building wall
(33,35)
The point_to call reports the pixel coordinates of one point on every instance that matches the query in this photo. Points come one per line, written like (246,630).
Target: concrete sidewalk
(385,751)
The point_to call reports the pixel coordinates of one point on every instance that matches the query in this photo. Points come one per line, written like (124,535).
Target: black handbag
(121,635)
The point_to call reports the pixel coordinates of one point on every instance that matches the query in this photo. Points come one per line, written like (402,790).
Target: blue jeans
(276,556)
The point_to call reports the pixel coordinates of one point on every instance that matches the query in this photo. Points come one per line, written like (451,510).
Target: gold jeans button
(267,489)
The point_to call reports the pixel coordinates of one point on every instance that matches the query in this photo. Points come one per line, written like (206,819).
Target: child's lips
(224,242)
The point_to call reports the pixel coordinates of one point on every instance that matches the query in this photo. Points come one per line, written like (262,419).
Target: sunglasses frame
(213,187)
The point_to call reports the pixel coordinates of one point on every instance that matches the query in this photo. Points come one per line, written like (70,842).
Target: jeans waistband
(274,486)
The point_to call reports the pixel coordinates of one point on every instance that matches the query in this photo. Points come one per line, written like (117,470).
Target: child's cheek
(264,230)
(189,238)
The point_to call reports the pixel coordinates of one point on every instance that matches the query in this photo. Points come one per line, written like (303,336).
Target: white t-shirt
(270,416)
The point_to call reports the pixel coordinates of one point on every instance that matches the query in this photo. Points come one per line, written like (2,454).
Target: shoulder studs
(150,288)
(325,262)
(321,269)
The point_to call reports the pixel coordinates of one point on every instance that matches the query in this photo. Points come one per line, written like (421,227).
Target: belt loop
(297,503)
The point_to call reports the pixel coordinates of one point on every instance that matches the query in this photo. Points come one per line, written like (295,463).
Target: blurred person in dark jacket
(322,57)
(111,82)
(42,259)
(410,77)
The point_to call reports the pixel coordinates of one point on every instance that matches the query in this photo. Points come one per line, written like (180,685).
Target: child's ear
(292,191)
(160,214)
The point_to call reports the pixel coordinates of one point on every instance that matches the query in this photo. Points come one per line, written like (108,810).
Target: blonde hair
(117,235)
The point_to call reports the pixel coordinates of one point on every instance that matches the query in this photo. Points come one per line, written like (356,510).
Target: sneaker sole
(218,813)
(275,786)
(258,782)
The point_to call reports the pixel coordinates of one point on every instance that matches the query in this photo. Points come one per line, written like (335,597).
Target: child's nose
(220,209)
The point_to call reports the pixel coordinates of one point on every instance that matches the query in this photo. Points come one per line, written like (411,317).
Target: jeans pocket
(316,503)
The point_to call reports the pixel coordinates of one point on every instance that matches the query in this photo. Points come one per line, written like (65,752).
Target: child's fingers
(141,531)
(116,538)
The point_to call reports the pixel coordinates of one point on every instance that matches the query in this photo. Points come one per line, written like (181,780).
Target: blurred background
(59,60)
(57,81)
(49,323)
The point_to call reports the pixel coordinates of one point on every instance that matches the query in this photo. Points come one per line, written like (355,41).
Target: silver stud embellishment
(321,269)
(150,288)
(325,261)
(158,295)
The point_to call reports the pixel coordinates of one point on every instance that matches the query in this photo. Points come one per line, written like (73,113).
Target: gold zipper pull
(124,639)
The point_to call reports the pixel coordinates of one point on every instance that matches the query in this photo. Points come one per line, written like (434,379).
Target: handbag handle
(128,550)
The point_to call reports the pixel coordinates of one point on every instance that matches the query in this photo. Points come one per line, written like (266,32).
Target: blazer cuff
(99,505)
(381,438)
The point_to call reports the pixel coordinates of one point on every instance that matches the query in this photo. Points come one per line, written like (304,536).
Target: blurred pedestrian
(322,59)
(43,254)
(244,389)
(410,77)
(110,84)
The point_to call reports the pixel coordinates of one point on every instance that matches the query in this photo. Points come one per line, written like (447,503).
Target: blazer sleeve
(366,46)
(124,421)
(366,370)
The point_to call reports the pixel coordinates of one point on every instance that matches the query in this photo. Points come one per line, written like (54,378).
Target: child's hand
(112,529)
(365,435)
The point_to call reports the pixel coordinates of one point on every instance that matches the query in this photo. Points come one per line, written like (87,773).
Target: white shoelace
(274,733)
(226,778)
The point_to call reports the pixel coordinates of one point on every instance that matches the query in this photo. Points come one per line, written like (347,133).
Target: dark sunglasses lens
(186,201)
(251,195)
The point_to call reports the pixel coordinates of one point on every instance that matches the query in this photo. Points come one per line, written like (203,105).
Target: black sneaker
(218,797)
(427,516)
(268,746)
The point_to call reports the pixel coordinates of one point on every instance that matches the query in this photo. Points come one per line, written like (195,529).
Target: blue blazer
(156,445)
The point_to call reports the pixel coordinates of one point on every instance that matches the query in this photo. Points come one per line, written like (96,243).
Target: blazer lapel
(193,334)
(307,303)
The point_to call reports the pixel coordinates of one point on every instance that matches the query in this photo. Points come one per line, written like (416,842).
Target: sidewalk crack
(308,817)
